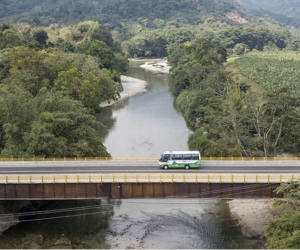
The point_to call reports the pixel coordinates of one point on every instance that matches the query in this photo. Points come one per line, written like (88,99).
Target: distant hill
(72,11)
(284,11)
(124,18)
(111,12)
(290,8)
(128,18)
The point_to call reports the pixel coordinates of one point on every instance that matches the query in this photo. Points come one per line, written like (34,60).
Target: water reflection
(127,224)
(59,224)
(175,224)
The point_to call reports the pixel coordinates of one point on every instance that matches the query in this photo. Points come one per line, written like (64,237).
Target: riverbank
(6,220)
(253,215)
(133,86)
(158,65)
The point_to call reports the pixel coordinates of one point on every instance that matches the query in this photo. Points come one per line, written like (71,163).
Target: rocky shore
(6,220)
(252,215)
(157,66)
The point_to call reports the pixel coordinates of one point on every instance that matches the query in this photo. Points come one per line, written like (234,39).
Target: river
(143,125)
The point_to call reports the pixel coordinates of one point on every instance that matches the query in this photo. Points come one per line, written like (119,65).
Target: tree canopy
(50,90)
(284,232)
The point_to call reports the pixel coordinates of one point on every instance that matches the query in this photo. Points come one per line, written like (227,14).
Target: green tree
(284,231)
(90,89)
(179,35)
(31,70)
(41,37)
(9,39)
(147,44)
(102,34)
(63,128)
(16,114)
(103,52)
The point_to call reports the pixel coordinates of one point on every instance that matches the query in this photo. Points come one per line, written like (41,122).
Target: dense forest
(83,62)
(50,90)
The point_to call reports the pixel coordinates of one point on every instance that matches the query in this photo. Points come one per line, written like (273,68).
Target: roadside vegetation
(283,232)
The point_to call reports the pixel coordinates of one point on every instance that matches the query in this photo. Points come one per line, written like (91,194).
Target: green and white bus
(180,159)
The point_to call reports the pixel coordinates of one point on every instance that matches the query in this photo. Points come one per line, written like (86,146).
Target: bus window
(195,157)
(187,157)
(178,156)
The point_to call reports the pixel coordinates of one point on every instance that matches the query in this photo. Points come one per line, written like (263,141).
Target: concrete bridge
(94,179)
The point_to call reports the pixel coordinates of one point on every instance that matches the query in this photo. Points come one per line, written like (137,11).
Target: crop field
(272,70)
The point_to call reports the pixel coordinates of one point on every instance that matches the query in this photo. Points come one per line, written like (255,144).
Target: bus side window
(178,157)
(195,157)
(172,157)
(187,157)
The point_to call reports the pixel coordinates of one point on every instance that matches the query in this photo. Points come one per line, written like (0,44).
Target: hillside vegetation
(284,11)
(197,36)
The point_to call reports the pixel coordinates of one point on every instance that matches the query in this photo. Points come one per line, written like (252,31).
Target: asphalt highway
(143,167)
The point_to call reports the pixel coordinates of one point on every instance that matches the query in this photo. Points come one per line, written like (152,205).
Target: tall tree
(63,128)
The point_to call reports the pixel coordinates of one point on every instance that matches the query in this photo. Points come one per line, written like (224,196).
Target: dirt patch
(235,16)
(276,210)
(252,215)
(131,86)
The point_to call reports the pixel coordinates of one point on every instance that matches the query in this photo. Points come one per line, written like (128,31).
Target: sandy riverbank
(133,86)
(252,215)
(165,69)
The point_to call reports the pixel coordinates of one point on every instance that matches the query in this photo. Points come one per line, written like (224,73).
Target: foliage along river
(143,125)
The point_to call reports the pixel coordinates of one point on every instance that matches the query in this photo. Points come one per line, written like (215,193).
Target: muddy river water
(141,125)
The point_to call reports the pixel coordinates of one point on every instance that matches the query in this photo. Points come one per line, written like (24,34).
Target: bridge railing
(147,178)
(292,158)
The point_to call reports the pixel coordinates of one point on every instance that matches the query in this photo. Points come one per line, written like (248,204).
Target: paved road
(150,166)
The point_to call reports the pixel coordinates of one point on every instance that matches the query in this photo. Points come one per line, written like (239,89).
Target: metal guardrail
(150,159)
(147,178)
